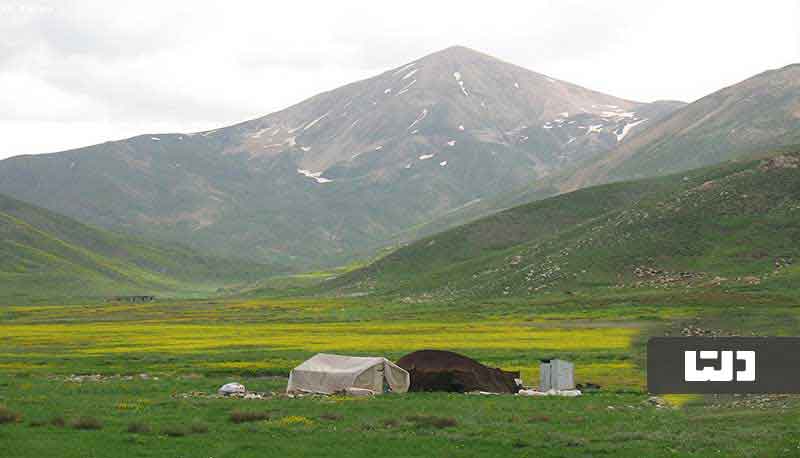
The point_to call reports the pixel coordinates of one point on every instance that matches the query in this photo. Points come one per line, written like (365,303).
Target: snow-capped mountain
(339,174)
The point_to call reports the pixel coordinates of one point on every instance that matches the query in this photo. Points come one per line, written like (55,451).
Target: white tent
(328,374)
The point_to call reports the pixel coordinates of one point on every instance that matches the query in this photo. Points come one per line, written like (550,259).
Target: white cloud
(87,71)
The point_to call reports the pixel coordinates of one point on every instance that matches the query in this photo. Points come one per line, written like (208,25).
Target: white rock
(564,393)
(359,392)
(231,388)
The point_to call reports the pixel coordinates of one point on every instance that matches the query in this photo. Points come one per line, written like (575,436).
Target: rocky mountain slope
(753,115)
(759,114)
(731,225)
(339,175)
(46,254)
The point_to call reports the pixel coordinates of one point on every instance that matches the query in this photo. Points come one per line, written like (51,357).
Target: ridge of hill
(44,254)
(734,224)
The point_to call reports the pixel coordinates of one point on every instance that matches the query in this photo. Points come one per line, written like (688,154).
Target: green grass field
(187,346)
(587,277)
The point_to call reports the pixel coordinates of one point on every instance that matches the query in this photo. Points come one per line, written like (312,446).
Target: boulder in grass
(229,389)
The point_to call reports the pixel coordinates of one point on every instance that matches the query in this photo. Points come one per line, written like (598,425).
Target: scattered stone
(250,395)
(752,401)
(99,378)
(780,162)
(751,280)
(551,392)
(658,402)
(707,185)
(695,331)
(652,277)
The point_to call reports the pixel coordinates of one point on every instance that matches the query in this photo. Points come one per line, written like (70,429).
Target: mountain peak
(458,53)
(457,50)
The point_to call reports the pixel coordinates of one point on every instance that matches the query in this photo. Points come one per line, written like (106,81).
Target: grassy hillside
(43,254)
(734,225)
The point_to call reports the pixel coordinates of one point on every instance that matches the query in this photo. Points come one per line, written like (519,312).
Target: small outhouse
(556,374)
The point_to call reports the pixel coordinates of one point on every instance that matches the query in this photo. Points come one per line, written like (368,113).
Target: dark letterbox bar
(723,365)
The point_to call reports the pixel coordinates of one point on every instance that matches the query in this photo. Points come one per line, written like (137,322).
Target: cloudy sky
(74,73)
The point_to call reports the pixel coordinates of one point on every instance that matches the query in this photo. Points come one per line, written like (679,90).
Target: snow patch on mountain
(617,114)
(627,128)
(410,74)
(407,87)
(259,133)
(317,176)
(402,69)
(420,117)
(457,76)
(312,123)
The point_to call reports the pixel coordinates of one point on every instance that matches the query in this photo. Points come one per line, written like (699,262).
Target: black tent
(437,370)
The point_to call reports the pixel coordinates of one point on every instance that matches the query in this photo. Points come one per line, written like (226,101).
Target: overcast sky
(74,73)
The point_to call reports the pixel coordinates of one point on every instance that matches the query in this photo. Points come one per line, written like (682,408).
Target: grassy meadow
(189,347)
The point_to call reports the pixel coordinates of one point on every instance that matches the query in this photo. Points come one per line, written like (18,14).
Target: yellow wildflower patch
(111,338)
(680,400)
(20,366)
(294,420)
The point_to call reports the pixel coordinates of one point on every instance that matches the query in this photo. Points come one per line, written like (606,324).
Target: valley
(455,202)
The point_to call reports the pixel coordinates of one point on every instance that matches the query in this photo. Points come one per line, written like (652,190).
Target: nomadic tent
(437,370)
(328,374)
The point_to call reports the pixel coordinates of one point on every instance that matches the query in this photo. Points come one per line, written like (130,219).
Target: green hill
(733,224)
(43,254)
